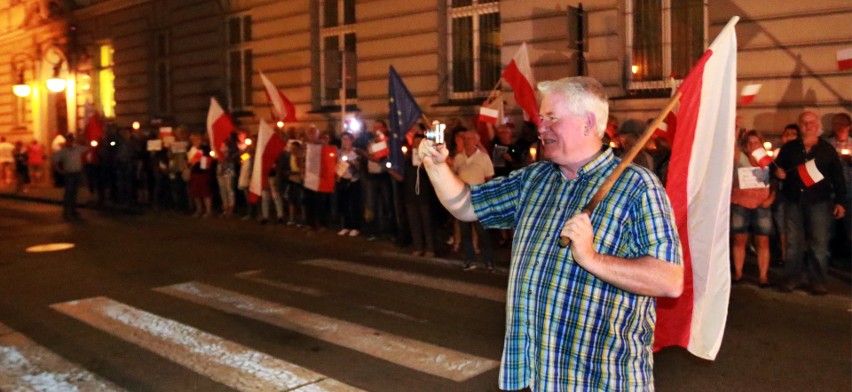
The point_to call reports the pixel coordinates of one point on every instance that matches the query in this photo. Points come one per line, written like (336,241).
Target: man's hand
(839,211)
(579,230)
(432,154)
(780,173)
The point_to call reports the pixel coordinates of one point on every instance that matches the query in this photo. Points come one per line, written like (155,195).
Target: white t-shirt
(474,169)
(57,143)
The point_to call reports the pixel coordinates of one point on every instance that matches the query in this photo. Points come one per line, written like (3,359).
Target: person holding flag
(581,317)
(814,191)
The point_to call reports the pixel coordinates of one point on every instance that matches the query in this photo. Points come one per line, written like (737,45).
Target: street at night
(165,302)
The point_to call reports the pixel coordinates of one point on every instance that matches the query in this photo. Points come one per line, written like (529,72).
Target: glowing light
(405,149)
(136,125)
(388,165)
(112,143)
(844,151)
(613,145)
(248,141)
(344,158)
(767,145)
(56,84)
(244,157)
(533,153)
(634,69)
(54,247)
(280,124)
(331,154)
(93,143)
(213,153)
(22,90)
(354,125)
(770,153)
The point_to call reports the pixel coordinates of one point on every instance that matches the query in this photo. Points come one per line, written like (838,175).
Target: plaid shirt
(565,328)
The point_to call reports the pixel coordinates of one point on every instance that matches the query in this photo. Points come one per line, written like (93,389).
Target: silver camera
(436,134)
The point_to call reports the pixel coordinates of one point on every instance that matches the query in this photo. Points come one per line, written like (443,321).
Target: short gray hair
(581,94)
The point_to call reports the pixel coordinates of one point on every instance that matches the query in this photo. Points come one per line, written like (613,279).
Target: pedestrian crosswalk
(24,365)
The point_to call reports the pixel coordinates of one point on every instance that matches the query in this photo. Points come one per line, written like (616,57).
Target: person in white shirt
(474,167)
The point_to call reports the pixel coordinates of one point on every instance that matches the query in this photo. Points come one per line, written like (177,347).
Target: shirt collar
(596,165)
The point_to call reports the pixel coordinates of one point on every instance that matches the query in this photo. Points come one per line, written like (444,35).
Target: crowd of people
(772,206)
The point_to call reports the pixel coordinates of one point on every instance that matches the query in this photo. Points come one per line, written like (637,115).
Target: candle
(767,146)
(844,151)
(533,153)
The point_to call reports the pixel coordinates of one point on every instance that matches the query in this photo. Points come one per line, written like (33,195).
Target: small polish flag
(763,159)
(844,59)
(488,115)
(809,173)
(748,93)
(379,148)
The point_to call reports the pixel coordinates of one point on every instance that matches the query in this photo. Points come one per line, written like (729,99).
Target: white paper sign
(155,145)
(753,177)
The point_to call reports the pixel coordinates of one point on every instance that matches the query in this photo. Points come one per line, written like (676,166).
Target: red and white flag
(379,146)
(844,59)
(488,115)
(699,187)
(762,157)
(267,149)
(219,126)
(519,75)
(282,108)
(809,173)
(748,93)
(320,165)
(94,127)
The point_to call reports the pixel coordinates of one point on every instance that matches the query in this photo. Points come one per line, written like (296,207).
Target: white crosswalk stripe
(448,285)
(421,356)
(226,362)
(27,366)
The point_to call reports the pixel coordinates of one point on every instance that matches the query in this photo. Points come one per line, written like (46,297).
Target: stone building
(159,61)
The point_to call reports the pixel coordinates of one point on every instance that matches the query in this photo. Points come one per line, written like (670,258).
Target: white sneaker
(354,233)
(343,232)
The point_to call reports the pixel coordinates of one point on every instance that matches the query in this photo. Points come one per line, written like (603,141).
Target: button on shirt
(565,328)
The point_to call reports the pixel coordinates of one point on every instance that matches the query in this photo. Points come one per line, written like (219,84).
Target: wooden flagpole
(625,160)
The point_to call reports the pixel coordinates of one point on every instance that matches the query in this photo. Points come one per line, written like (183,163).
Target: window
(665,39)
(339,63)
(162,76)
(106,80)
(239,57)
(474,47)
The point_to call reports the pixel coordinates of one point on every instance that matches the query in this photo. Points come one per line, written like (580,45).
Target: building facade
(159,61)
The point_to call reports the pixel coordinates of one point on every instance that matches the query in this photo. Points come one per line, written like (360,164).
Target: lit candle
(844,151)
(136,125)
(533,152)
(280,124)
(248,141)
(404,149)
(767,146)
(94,143)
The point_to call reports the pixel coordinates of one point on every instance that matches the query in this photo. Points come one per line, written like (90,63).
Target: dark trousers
(380,204)
(349,203)
(72,182)
(484,243)
(420,222)
(316,204)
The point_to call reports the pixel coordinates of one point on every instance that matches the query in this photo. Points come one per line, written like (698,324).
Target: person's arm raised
(453,193)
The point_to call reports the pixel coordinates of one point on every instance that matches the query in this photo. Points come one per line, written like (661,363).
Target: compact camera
(436,134)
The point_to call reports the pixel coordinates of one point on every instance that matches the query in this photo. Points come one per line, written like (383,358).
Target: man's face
(753,143)
(559,130)
(787,135)
(839,125)
(504,135)
(809,124)
(471,141)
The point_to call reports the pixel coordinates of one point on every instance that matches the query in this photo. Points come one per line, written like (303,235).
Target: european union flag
(404,113)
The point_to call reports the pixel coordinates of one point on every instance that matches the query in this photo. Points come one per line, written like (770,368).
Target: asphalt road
(163,302)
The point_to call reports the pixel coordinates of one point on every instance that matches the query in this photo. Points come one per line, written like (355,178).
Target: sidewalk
(48,194)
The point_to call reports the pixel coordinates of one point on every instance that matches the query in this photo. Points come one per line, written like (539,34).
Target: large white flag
(699,186)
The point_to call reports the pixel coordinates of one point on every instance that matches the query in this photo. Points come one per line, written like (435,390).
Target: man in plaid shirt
(582,317)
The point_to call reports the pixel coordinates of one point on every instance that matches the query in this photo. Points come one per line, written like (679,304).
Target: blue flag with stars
(404,113)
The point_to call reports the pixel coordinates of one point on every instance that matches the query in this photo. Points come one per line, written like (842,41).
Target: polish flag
(699,187)
(219,126)
(844,59)
(320,165)
(809,173)
(379,147)
(282,108)
(666,129)
(748,93)
(94,127)
(763,159)
(519,75)
(267,149)
(488,115)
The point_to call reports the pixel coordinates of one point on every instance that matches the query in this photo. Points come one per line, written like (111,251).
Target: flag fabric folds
(749,92)
(809,173)
(404,113)
(267,149)
(763,159)
(844,59)
(219,126)
(320,165)
(699,186)
(282,108)
(519,75)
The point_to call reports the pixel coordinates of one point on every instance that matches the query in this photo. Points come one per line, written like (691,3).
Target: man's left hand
(579,230)
(839,211)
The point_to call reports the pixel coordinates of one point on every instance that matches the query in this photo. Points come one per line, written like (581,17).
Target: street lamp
(56,84)
(19,60)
